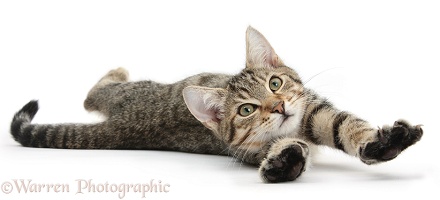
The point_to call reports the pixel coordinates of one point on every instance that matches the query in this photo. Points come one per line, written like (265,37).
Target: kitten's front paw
(391,141)
(286,165)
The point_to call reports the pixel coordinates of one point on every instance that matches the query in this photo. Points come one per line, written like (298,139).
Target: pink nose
(279,107)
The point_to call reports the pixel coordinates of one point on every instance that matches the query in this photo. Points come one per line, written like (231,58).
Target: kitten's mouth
(285,118)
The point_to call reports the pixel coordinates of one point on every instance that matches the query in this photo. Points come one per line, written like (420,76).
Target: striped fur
(263,116)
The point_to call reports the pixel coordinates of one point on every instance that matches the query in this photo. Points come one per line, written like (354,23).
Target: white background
(377,59)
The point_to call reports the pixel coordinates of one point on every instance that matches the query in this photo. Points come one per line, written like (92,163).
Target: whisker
(244,148)
(314,76)
(236,154)
(251,142)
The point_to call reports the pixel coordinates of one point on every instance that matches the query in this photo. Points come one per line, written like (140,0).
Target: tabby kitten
(263,116)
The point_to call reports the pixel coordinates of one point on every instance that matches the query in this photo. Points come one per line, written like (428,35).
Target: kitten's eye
(246,109)
(275,83)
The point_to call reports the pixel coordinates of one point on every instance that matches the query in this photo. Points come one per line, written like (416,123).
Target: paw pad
(391,141)
(286,166)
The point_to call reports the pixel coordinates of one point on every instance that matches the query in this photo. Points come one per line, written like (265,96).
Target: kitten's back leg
(98,97)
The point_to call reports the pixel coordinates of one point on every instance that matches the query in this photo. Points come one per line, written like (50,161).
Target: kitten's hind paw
(284,163)
(391,141)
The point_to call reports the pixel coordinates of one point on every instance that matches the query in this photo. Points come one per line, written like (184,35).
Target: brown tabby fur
(201,114)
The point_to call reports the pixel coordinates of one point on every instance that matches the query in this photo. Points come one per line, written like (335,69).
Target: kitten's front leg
(325,125)
(286,160)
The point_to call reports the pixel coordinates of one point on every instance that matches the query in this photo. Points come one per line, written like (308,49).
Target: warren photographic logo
(84,186)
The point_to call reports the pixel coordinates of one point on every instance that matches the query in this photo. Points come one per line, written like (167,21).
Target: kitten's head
(263,102)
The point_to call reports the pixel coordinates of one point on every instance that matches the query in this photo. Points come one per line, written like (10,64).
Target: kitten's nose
(279,107)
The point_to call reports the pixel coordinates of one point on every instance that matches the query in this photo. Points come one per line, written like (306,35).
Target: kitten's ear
(259,53)
(206,104)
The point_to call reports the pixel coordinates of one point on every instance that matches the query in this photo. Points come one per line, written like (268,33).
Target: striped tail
(66,136)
